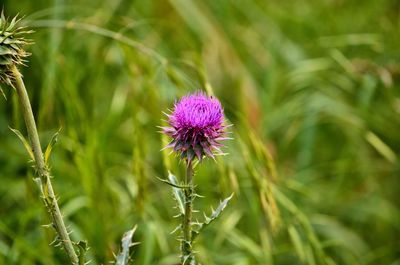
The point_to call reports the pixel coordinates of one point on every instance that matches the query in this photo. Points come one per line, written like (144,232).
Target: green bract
(12,42)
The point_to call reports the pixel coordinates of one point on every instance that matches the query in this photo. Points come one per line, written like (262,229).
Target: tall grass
(312,90)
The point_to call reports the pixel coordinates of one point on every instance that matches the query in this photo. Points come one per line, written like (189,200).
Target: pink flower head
(196,126)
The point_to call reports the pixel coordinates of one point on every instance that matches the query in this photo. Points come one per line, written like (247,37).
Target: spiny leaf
(49,148)
(123,256)
(214,215)
(174,185)
(83,248)
(24,142)
(178,194)
(46,196)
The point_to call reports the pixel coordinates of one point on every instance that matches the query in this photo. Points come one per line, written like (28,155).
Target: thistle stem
(186,245)
(42,170)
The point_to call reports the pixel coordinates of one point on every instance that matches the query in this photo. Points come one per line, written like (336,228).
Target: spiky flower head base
(11,47)
(197,127)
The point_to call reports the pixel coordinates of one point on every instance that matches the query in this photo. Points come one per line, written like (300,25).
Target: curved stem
(42,170)
(186,245)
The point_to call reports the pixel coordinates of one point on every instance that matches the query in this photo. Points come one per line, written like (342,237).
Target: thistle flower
(197,127)
(11,47)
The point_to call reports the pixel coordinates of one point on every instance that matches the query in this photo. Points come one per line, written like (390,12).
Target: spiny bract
(11,47)
(197,126)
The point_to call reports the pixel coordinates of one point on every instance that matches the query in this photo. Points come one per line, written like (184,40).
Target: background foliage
(312,89)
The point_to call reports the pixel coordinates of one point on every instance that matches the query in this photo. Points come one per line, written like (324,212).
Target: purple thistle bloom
(196,126)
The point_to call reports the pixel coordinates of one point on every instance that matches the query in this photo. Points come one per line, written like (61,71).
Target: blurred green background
(312,88)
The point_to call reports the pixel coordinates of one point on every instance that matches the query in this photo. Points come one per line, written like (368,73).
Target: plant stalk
(187,257)
(42,170)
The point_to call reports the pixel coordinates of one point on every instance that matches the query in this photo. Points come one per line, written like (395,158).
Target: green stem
(42,170)
(186,245)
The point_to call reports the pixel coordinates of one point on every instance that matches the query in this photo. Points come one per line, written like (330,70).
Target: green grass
(312,89)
